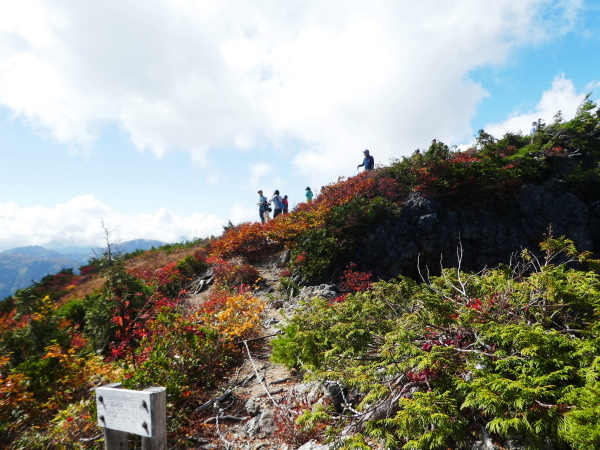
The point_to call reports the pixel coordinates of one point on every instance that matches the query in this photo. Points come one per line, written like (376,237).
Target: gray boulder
(326,291)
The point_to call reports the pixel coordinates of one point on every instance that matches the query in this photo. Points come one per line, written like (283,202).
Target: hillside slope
(488,339)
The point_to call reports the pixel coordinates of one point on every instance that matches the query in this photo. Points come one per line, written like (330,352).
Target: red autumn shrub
(248,240)
(355,281)
(233,273)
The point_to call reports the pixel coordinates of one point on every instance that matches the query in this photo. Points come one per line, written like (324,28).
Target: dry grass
(149,260)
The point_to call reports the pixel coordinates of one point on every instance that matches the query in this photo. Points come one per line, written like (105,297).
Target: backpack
(278,204)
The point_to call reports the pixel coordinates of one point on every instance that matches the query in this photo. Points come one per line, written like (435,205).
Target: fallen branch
(226,417)
(212,401)
(91,439)
(264,394)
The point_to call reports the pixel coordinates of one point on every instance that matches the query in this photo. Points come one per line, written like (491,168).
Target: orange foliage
(80,375)
(364,185)
(289,227)
(465,158)
(556,151)
(247,239)
(13,395)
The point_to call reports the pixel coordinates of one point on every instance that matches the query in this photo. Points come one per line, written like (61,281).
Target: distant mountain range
(21,266)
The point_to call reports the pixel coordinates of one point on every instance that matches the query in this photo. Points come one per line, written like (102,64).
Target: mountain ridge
(22,266)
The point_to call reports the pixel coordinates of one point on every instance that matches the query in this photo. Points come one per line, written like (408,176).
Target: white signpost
(122,411)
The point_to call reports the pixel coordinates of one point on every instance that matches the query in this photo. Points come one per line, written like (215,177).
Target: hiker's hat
(366,151)
(307,189)
(260,192)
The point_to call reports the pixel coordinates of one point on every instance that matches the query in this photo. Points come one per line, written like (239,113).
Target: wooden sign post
(122,411)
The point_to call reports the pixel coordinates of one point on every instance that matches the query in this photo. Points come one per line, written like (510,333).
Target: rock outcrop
(426,234)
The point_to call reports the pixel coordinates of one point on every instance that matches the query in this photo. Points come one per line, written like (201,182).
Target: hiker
(277,202)
(285,204)
(368,162)
(533,128)
(309,195)
(263,207)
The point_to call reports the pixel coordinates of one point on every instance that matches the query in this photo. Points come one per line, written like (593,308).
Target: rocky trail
(250,409)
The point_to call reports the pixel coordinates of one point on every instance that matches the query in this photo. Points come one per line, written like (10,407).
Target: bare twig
(257,339)
(260,379)
(228,445)
(225,417)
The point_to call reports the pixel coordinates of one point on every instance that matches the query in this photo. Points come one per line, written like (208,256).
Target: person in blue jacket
(368,162)
(262,206)
(309,195)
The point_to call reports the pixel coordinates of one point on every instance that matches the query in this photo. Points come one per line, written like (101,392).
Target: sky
(162,119)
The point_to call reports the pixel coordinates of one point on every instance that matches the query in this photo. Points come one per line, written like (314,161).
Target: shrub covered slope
(450,353)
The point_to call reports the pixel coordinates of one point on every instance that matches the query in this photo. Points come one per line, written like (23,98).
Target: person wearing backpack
(262,207)
(368,162)
(277,202)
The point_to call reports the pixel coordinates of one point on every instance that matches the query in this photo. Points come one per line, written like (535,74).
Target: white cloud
(336,76)
(258,171)
(79,222)
(242,213)
(562,96)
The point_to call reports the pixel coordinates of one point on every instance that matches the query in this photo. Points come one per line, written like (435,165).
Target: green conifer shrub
(507,354)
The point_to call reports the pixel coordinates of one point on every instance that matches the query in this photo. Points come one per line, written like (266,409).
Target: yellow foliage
(13,395)
(80,374)
(46,307)
(239,317)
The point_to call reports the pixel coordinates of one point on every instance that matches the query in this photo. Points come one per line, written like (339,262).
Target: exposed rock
(428,235)
(311,445)
(282,260)
(324,291)
(311,391)
(252,407)
(262,425)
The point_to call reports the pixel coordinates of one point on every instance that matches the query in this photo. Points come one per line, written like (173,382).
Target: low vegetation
(508,354)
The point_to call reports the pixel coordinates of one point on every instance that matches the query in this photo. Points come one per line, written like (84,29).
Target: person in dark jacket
(286,204)
(368,162)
